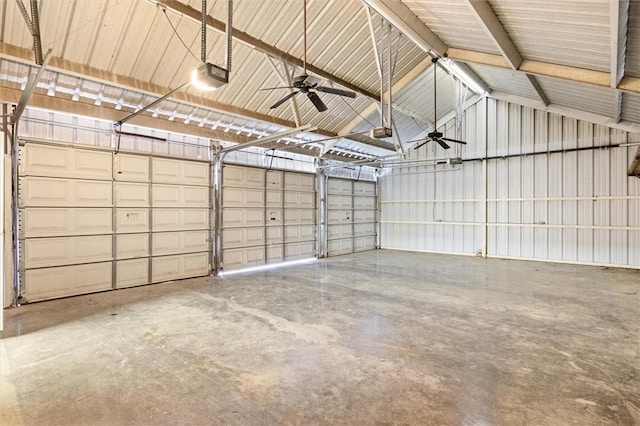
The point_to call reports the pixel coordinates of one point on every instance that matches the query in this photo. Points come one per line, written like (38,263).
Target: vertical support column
(217,213)
(378,214)
(321,183)
(114,220)
(485,183)
(150,246)
(17,272)
(3,151)
(211,208)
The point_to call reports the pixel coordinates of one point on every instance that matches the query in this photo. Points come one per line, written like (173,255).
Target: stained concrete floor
(373,338)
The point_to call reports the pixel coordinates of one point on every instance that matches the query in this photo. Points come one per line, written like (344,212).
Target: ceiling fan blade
(442,143)
(317,102)
(283,100)
(423,143)
(274,88)
(334,91)
(454,140)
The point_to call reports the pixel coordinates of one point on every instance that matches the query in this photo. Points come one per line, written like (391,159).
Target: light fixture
(209,77)
(456,71)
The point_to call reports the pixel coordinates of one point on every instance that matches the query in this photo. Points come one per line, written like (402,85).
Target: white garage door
(268,216)
(91,220)
(351,216)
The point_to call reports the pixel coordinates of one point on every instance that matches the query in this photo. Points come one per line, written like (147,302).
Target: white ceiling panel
(633,40)
(504,80)
(454,23)
(593,99)
(565,32)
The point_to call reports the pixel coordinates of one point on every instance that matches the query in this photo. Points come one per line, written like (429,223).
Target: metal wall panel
(573,205)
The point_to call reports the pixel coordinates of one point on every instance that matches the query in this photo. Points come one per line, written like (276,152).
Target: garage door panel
(299,250)
(340,231)
(132,168)
(236,217)
(274,180)
(48,283)
(339,201)
(299,182)
(166,268)
(274,199)
(299,233)
(364,216)
(361,229)
(275,253)
(132,220)
(180,220)
(56,251)
(179,171)
(364,188)
(242,237)
(240,197)
(364,243)
(274,216)
(340,216)
(243,176)
(339,186)
(132,245)
(49,192)
(55,161)
(299,199)
(165,243)
(364,202)
(132,272)
(274,234)
(337,247)
(239,258)
(299,216)
(130,194)
(53,222)
(180,196)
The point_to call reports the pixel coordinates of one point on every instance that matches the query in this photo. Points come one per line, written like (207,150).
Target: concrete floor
(373,338)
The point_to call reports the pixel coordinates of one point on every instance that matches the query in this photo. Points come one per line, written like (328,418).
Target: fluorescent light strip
(268,267)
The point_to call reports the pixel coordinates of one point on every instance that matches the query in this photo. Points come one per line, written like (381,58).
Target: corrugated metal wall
(533,185)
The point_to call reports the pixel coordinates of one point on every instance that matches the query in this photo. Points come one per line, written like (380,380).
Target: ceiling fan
(305,85)
(435,135)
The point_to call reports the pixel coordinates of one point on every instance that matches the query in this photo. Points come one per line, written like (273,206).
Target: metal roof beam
(598,78)
(490,22)
(401,17)
(494,28)
(255,43)
(536,86)
(618,21)
(618,114)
